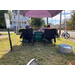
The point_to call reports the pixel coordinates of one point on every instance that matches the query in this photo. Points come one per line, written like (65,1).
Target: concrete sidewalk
(71,39)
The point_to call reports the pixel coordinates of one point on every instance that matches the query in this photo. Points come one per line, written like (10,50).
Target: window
(11,22)
(14,17)
(20,23)
(24,22)
(14,22)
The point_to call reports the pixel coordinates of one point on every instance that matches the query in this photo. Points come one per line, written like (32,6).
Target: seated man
(27,27)
(30,26)
(48,27)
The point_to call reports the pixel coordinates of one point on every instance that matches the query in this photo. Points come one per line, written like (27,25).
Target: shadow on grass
(46,55)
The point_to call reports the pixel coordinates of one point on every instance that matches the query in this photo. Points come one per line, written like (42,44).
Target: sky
(56,19)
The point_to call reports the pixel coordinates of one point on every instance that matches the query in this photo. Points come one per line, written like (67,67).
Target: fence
(69,28)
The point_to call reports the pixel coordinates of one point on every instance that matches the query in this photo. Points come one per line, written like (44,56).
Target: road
(72,33)
(6,31)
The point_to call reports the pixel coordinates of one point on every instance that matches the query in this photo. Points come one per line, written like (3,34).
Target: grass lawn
(46,55)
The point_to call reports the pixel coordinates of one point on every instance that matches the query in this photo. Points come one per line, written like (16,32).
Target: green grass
(46,55)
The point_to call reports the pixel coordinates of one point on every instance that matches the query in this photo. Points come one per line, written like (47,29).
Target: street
(72,33)
(6,31)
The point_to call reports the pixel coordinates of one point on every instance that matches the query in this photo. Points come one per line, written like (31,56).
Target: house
(14,21)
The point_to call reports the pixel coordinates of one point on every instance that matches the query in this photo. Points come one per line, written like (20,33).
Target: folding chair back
(28,34)
(50,34)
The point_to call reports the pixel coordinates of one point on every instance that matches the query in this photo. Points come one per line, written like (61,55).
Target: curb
(72,37)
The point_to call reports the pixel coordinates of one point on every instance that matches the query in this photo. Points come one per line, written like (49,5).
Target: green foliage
(2,19)
(20,30)
(9,13)
(46,25)
(73,17)
(37,22)
(71,21)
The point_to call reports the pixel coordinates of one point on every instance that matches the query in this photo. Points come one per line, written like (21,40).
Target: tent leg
(65,25)
(47,20)
(60,25)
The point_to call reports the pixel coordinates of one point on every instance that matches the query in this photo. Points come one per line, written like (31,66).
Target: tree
(9,13)
(2,18)
(73,18)
(37,22)
(71,21)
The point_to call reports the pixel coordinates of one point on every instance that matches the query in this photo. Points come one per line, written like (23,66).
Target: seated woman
(42,29)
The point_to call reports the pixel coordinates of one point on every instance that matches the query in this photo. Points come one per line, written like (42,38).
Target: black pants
(50,40)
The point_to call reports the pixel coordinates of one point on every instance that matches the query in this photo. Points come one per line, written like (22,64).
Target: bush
(1,27)
(20,30)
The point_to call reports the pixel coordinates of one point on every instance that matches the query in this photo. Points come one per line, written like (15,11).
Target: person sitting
(26,27)
(42,29)
(48,27)
(30,26)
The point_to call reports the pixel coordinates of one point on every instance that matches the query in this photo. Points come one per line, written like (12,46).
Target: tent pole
(60,24)
(18,20)
(65,24)
(47,20)
(52,21)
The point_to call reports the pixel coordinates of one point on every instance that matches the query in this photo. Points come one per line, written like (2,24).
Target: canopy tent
(43,13)
(40,13)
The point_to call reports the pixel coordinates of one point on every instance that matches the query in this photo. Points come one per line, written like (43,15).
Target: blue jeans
(28,40)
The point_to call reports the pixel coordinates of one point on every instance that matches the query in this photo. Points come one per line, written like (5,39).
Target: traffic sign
(8,26)
(7,20)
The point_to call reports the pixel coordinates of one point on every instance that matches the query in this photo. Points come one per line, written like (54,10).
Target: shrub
(20,30)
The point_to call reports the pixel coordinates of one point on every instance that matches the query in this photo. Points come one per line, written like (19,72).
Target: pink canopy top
(40,13)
